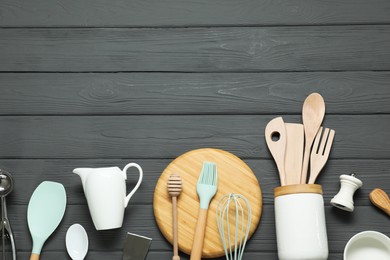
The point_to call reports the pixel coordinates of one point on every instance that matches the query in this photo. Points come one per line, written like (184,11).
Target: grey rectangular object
(136,247)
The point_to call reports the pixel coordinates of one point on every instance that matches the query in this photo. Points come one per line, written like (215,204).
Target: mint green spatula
(45,211)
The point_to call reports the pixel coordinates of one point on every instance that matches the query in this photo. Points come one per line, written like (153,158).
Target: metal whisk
(234,219)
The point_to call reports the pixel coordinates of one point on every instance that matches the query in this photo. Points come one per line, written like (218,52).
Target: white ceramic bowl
(368,245)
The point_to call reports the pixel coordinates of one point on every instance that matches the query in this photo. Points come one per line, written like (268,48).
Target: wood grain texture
(297,189)
(320,152)
(294,152)
(190,12)
(379,198)
(191,93)
(126,96)
(275,136)
(313,113)
(234,176)
(169,136)
(196,49)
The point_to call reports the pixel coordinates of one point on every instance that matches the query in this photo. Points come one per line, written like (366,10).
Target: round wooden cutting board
(234,176)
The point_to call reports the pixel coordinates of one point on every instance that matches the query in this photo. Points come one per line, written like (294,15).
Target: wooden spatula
(294,153)
(275,136)
(380,199)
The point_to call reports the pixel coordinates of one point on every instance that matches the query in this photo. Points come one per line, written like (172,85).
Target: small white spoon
(76,242)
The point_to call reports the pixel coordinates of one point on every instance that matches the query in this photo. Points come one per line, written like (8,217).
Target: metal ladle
(6,186)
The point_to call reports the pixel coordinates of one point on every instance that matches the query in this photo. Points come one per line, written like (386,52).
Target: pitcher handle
(128,197)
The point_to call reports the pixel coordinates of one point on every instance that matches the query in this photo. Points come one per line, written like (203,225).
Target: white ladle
(76,242)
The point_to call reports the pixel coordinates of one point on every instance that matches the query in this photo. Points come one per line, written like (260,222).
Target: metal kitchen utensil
(313,112)
(294,153)
(275,136)
(320,152)
(234,218)
(6,186)
(44,213)
(206,189)
(380,199)
(136,247)
(174,189)
(344,198)
(76,241)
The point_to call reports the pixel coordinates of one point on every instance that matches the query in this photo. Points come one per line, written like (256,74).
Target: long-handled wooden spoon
(313,113)
(275,136)
(380,199)
(174,189)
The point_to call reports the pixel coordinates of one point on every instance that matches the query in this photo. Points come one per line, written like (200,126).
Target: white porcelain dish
(368,245)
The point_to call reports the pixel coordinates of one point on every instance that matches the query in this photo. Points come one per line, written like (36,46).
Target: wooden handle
(174,224)
(276,128)
(380,199)
(34,257)
(294,153)
(305,164)
(197,245)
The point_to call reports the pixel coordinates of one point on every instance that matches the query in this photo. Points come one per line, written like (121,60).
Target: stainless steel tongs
(6,186)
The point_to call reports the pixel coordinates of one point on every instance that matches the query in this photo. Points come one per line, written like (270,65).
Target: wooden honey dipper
(380,199)
(174,189)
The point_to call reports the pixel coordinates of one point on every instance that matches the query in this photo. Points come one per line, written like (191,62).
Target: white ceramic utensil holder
(300,222)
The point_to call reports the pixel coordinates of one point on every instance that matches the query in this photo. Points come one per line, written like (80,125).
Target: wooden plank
(116,13)
(29,173)
(139,219)
(169,136)
(197,50)
(191,93)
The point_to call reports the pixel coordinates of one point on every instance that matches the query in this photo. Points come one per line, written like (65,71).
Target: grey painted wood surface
(139,13)
(102,83)
(234,49)
(167,136)
(191,93)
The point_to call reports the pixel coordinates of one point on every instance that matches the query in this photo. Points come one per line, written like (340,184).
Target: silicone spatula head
(45,211)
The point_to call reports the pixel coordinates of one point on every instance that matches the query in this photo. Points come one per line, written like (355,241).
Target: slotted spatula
(276,138)
(45,211)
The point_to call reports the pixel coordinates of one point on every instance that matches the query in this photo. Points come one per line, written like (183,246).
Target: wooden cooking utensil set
(293,146)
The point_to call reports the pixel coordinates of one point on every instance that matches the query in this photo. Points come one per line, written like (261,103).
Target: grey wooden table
(104,82)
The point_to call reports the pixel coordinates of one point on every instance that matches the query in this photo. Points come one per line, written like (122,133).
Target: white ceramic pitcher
(105,190)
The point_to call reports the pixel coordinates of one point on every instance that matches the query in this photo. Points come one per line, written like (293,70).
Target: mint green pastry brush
(206,188)
(45,211)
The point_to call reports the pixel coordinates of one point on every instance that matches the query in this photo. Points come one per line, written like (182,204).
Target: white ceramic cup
(300,222)
(105,190)
(368,245)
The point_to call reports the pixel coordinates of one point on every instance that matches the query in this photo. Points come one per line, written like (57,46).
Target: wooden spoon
(313,113)
(380,199)
(275,136)
(174,189)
